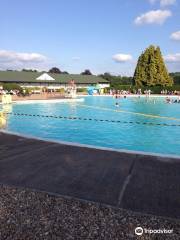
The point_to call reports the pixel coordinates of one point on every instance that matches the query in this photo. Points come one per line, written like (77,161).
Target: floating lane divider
(128,112)
(92,119)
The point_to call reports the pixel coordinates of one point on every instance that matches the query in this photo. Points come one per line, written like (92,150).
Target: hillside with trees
(176,77)
(151,69)
(117,82)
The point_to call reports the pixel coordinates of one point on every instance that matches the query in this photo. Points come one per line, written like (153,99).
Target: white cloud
(153,17)
(175,36)
(173,62)
(9,56)
(163,3)
(16,60)
(121,58)
(172,58)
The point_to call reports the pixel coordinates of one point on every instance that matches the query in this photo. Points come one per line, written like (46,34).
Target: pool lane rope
(128,112)
(92,119)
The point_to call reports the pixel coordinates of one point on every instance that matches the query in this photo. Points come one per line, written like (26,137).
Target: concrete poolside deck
(145,184)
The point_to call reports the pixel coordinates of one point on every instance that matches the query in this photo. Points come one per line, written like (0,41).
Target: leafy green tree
(86,72)
(28,70)
(176,77)
(55,70)
(11,86)
(117,81)
(151,69)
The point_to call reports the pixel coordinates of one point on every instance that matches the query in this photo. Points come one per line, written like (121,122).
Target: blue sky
(100,35)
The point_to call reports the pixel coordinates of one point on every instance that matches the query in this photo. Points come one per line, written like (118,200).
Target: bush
(123,87)
(61,91)
(29,90)
(81,90)
(116,81)
(12,86)
(106,90)
(26,92)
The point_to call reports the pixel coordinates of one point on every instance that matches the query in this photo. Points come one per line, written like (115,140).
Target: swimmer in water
(168,100)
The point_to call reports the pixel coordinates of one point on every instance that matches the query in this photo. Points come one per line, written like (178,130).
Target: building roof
(30,77)
(45,77)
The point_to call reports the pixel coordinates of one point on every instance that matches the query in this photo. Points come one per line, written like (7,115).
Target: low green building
(51,81)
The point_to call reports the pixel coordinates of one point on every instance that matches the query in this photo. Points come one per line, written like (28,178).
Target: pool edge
(164,157)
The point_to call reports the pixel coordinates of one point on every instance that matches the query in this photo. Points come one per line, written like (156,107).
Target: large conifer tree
(151,69)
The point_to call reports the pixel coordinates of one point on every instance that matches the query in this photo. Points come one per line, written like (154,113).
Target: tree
(12,86)
(55,70)
(151,69)
(116,82)
(176,77)
(28,70)
(86,72)
(65,72)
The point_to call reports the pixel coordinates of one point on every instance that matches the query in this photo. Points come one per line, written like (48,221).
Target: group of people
(11,92)
(123,94)
(119,92)
(128,92)
(169,100)
(165,92)
(141,92)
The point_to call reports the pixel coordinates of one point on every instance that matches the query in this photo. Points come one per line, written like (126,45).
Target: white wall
(104,85)
(58,86)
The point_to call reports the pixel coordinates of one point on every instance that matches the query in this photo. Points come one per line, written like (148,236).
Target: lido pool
(138,124)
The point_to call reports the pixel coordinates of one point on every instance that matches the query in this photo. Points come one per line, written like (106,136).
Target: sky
(100,35)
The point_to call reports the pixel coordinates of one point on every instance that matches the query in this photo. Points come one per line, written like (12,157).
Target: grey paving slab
(154,187)
(11,145)
(90,174)
(147,184)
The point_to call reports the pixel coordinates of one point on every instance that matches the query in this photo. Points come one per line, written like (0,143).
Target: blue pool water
(117,135)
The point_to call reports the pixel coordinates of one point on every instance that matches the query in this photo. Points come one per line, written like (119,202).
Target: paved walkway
(146,184)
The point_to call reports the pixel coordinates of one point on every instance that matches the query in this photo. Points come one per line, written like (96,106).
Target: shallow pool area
(137,124)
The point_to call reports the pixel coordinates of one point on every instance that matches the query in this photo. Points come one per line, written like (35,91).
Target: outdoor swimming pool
(139,124)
